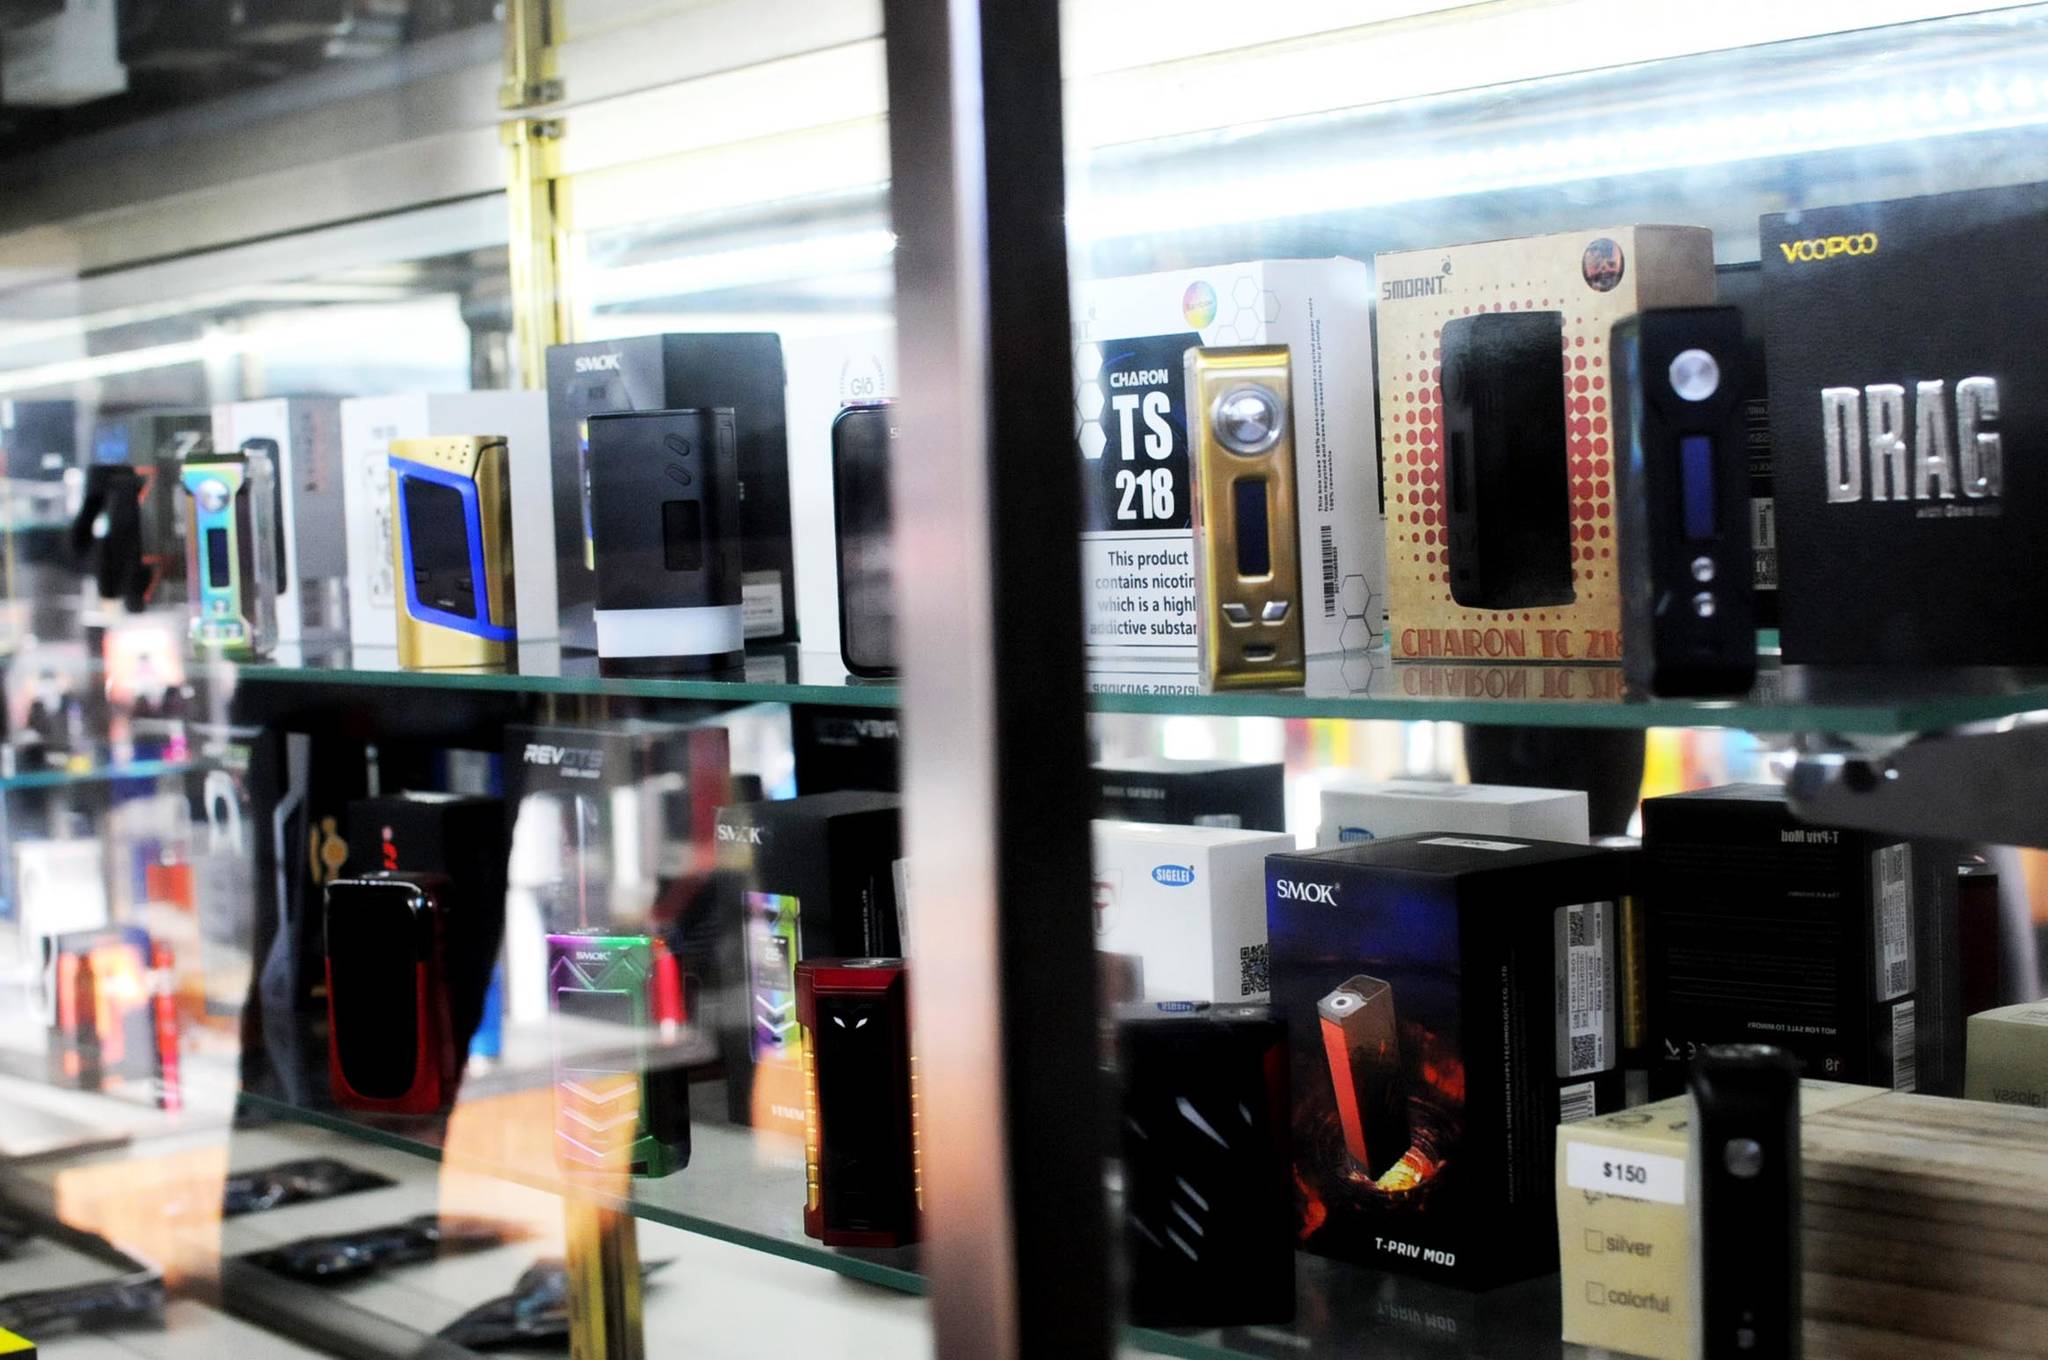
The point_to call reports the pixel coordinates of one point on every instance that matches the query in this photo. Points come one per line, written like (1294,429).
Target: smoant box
(1909,410)
(1374,809)
(671,372)
(1192,792)
(368,425)
(1189,902)
(1764,930)
(1499,496)
(303,437)
(1449,1001)
(1137,544)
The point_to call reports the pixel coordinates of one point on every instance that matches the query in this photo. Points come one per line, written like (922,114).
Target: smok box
(675,372)
(303,437)
(1764,930)
(2008,1055)
(1193,792)
(1909,409)
(1499,495)
(800,878)
(369,424)
(1624,1229)
(1189,902)
(1137,543)
(1374,809)
(1449,1001)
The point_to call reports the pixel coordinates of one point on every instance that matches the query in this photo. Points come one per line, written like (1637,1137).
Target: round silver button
(1703,569)
(1703,604)
(212,495)
(1694,375)
(1744,1157)
(1247,420)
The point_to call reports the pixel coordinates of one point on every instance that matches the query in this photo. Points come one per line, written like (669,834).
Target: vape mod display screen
(372,956)
(861,451)
(217,567)
(682,535)
(1254,544)
(1696,466)
(863,1134)
(437,533)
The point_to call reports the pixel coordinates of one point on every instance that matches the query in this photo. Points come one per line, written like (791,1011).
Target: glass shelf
(112,772)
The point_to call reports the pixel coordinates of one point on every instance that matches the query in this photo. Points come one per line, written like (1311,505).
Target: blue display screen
(1696,472)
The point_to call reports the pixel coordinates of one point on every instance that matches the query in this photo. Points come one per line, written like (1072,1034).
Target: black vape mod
(1745,1202)
(618,1106)
(1688,600)
(1506,476)
(665,529)
(1208,1194)
(452,502)
(1247,531)
(862,438)
(390,1046)
(231,549)
(860,1102)
(1362,1039)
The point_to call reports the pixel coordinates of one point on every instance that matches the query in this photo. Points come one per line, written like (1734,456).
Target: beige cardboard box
(2008,1055)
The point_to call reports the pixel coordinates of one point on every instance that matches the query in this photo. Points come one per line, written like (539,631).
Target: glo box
(1449,1001)
(1374,809)
(1189,902)
(1193,793)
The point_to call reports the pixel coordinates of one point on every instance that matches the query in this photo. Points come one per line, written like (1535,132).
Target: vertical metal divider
(987,498)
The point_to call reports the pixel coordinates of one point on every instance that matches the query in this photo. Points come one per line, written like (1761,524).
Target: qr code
(1251,970)
(1579,932)
(1585,1052)
(1898,977)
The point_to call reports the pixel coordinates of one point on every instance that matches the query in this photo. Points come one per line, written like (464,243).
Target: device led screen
(217,569)
(1696,485)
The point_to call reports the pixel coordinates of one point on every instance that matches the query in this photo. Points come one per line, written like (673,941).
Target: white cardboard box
(369,424)
(1137,546)
(1373,809)
(311,605)
(1190,903)
(2007,1050)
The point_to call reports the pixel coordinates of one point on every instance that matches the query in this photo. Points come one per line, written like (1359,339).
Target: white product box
(1137,546)
(369,424)
(1190,903)
(313,571)
(1374,809)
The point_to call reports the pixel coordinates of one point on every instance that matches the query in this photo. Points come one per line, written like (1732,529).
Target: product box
(672,372)
(369,424)
(1449,1001)
(39,439)
(303,438)
(1624,1229)
(1137,544)
(156,444)
(845,748)
(1907,418)
(800,878)
(1496,494)
(1193,792)
(1189,902)
(1764,930)
(1374,809)
(2008,1055)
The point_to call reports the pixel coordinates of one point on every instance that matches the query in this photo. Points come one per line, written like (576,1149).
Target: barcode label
(1579,929)
(1892,877)
(1905,1048)
(1584,956)
(1575,1103)
(1329,540)
(1763,534)
(1251,970)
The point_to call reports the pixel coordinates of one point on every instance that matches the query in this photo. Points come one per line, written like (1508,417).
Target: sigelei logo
(597,363)
(1174,875)
(1868,427)
(1818,248)
(739,835)
(1290,891)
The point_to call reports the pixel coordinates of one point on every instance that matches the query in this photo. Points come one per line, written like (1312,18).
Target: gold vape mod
(1247,528)
(451,505)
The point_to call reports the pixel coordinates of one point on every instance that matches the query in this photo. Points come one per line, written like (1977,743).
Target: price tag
(1629,1175)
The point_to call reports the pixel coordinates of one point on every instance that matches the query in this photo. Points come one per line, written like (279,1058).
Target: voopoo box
(1137,543)
(1374,809)
(1189,902)
(1496,443)
(1449,1000)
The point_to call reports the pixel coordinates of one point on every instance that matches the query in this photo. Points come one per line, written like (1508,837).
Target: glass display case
(1014,678)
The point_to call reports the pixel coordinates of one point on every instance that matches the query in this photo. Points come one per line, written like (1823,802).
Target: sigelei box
(2008,1055)
(1499,496)
(1449,1000)
(1909,410)
(1189,902)
(1192,792)
(1137,541)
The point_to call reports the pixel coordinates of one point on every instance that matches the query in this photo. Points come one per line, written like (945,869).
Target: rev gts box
(1909,413)
(665,373)
(1496,443)
(1449,1000)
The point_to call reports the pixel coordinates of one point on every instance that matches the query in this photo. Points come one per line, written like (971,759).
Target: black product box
(1741,286)
(1193,793)
(39,439)
(1765,930)
(811,877)
(1449,1000)
(675,372)
(840,748)
(1909,419)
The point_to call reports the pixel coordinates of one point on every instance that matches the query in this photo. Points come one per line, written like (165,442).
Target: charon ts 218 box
(1137,541)
(1496,442)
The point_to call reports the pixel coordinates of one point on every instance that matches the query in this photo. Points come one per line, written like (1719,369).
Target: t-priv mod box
(231,535)
(1192,792)
(1497,449)
(861,1170)
(1907,410)
(666,534)
(1449,1000)
(863,444)
(1188,902)
(369,425)
(390,1042)
(1375,809)
(1137,541)
(743,372)
(622,1102)
(303,437)
(451,540)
